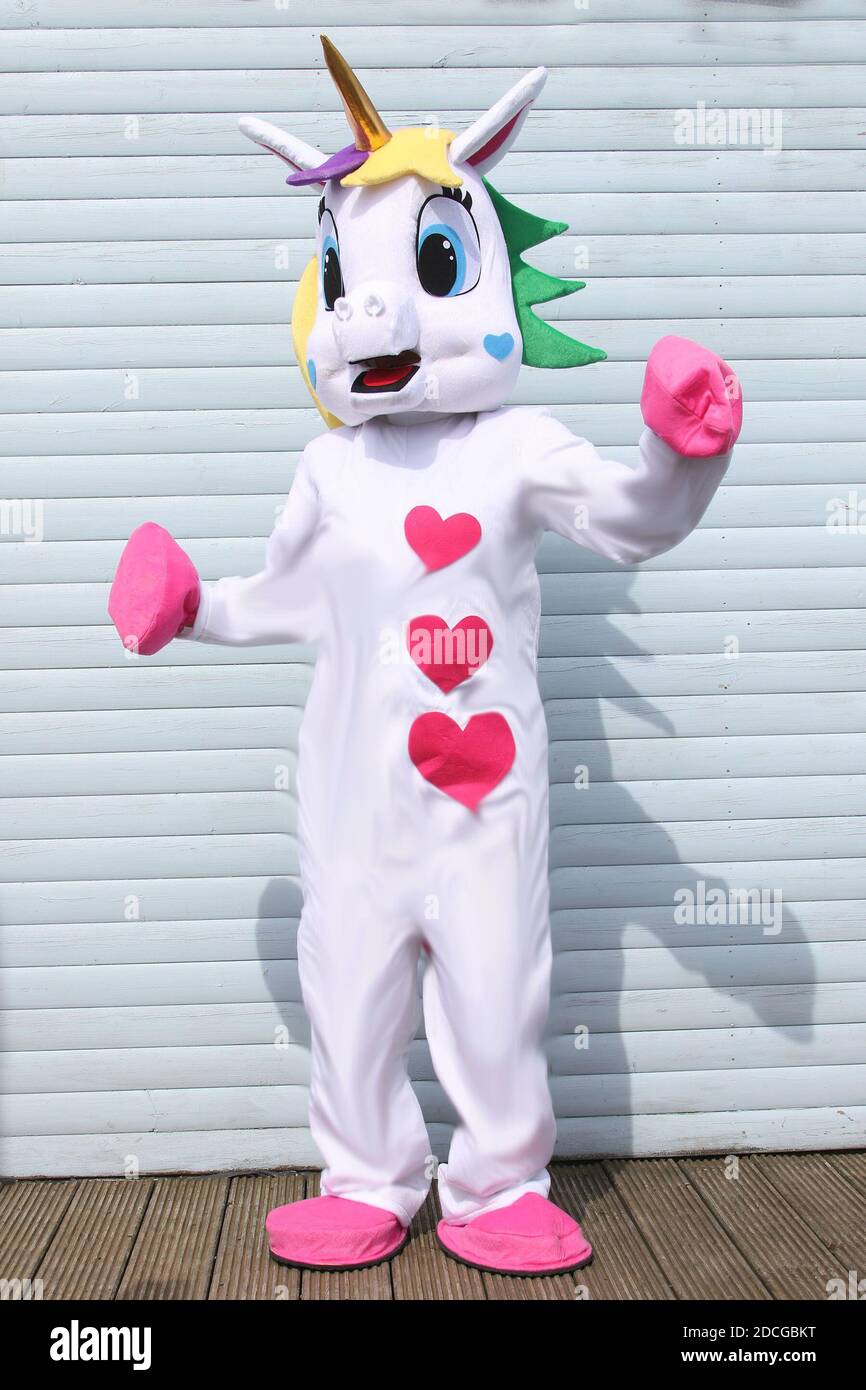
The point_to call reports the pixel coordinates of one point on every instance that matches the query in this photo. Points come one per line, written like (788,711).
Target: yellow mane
(421,150)
(303,318)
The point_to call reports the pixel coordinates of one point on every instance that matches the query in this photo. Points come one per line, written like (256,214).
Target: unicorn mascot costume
(405,552)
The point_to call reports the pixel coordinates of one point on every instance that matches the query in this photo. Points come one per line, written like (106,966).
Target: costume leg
(486,1001)
(358,968)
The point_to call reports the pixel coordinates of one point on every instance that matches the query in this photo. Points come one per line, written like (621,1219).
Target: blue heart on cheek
(499,345)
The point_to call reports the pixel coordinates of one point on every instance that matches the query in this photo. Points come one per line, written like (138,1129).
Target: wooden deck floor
(782,1228)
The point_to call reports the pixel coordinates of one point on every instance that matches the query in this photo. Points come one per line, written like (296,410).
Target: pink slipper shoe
(532,1236)
(333,1233)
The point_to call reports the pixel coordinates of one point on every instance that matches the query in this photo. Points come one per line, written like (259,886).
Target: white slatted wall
(147,264)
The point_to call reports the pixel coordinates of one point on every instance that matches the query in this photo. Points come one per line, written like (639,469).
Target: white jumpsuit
(391,864)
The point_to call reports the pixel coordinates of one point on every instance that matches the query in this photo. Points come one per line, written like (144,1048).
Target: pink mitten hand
(691,398)
(156,591)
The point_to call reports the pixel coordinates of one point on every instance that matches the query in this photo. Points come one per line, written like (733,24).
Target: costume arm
(625,514)
(692,407)
(281,602)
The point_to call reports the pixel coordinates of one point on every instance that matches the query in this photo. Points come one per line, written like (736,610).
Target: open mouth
(385,373)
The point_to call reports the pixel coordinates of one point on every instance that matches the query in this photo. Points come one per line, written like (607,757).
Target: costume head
(418,298)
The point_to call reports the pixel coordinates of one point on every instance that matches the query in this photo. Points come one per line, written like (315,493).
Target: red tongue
(387,376)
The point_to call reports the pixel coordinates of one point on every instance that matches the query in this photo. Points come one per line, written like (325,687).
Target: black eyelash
(460,196)
(321,207)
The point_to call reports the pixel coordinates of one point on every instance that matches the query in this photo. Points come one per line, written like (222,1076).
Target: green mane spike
(543,345)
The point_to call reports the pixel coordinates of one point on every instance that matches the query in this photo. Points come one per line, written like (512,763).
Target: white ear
(493,134)
(289,148)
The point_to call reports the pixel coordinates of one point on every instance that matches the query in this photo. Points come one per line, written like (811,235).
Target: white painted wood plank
(778,961)
(575,930)
(756,800)
(139,688)
(712,548)
(287,47)
(268,345)
(776,466)
(767,673)
(252,768)
(834,506)
(166,1068)
(116,986)
(296,660)
(166,1025)
(208,1108)
(752,548)
(627,719)
(813,968)
(732,633)
(776,1007)
(603,171)
(657,592)
(139,14)
(623,760)
(181,856)
(436,88)
(693,799)
(112,1069)
(222,812)
(200,133)
(252,1150)
(192,770)
(632,843)
(129,943)
(576,974)
(729,1005)
(275,388)
(678,1093)
(729,635)
(204,1108)
(146,431)
(580,929)
(750,761)
(629,716)
(655,884)
(47,605)
(212,474)
(273,894)
(180,431)
(269,301)
(100,731)
(564,681)
(109,1154)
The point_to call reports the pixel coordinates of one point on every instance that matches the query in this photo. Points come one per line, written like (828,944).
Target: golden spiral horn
(367,126)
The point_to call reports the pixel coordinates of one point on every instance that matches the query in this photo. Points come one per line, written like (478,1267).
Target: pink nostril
(343,309)
(374,305)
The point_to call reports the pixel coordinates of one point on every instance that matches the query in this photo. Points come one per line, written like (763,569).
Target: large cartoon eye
(332,274)
(448,254)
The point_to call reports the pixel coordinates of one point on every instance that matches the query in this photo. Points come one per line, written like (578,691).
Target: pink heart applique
(448,655)
(463,763)
(439,543)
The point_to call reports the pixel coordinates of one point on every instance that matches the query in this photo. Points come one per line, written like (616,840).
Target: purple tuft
(344,162)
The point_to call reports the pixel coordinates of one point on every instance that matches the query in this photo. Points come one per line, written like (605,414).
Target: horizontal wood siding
(707,710)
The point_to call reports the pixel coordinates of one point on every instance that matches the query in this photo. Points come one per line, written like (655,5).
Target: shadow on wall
(593,1073)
